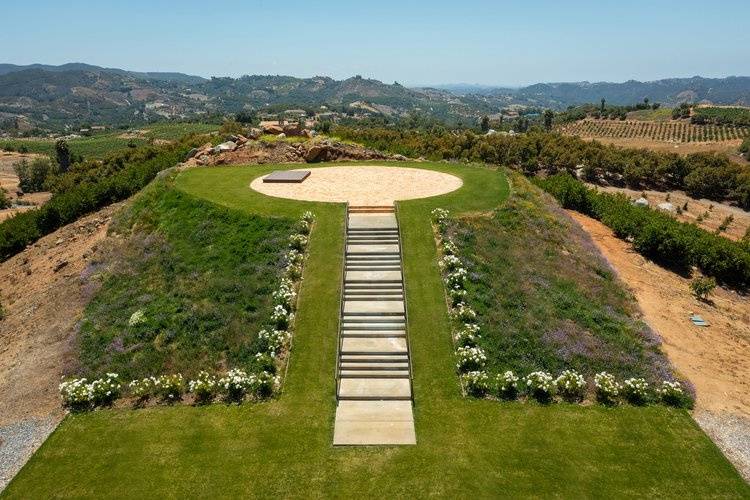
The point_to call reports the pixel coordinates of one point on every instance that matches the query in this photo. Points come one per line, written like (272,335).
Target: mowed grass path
(466,448)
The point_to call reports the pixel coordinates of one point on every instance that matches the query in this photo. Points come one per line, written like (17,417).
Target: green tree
(604,101)
(62,152)
(484,123)
(4,199)
(548,117)
(702,287)
(33,176)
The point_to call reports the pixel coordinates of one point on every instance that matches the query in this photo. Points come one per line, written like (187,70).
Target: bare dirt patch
(682,148)
(711,213)
(363,185)
(9,182)
(43,291)
(715,359)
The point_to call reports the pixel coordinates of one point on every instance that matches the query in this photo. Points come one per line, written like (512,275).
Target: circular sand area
(365,185)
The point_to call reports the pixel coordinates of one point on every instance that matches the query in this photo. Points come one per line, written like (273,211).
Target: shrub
(449,248)
(308,217)
(457,278)
(464,313)
(672,394)
(468,335)
(636,391)
(105,391)
(169,387)
(76,394)
(607,388)
(4,199)
(507,385)
(571,386)
(457,296)
(142,389)
(540,386)
(236,384)
(702,287)
(285,295)
(265,384)
(298,242)
(203,387)
(281,317)
(273,341)
(440,218)
(476,383)
(470,359)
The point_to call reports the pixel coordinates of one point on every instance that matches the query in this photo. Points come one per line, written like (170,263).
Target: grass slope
(546,299)
(466,448)
(200,274)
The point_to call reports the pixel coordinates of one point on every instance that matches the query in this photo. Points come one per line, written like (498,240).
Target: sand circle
(363,185)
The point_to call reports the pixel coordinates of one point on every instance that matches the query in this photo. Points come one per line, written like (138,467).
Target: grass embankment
(545,297)
(99,145)
(200,275)
(466,448)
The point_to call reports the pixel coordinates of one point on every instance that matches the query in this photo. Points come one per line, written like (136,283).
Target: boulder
(192,153)
(293,130)
(400,157)
(225,146)
(641,202)
(272,129)
(281,135)
(254,133)
(313,154)
(241,139)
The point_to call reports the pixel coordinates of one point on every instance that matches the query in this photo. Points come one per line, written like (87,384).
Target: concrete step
(370,222)
(383,306)
(376,298)
(386,249)
(375,388)
(372,277)
(374,365)
(380,346)
(374,374)
(372,285)
(372,327)
(361,423)
(374,358)
(350,333)
(374,291)
(373,268)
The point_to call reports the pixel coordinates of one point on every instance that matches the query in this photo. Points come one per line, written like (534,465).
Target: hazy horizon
(477,42)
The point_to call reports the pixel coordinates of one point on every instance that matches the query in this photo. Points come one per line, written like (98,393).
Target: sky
(414,43)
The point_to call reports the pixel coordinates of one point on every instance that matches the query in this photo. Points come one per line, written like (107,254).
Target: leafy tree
(484,124)
(247,117)
(548,117)
(604,101)
(62,152)
(33,176)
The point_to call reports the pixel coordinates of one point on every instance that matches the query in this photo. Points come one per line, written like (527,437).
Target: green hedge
(654,234)
(112,181)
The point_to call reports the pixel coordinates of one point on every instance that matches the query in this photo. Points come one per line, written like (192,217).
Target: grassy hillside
(546,298)
(466,448)
(200,275)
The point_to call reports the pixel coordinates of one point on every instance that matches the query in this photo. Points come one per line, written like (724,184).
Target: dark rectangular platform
(296,176)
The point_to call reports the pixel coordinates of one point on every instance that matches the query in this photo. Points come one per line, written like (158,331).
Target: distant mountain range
(76,94)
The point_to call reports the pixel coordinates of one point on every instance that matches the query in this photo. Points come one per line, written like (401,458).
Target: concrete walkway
(374,375)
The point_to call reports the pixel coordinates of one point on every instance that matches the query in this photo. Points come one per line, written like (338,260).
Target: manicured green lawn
(466,448)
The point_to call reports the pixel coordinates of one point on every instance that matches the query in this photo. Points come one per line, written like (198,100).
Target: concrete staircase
(373,376)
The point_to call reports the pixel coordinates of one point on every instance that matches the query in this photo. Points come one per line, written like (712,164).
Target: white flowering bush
(672,394)
(281,317)
(303,227)
(449,248)
(540,386)
(457,296)
(308,217)
(137,318)
(294,257)
(636,391)
(464,313)
(470,359)
(142,389)
(203,387)
(607,388)
(506,385)
(236,384)
(468,335)
(293,272)
(106,390)
(273,341)
(571,386)
(265,362)
(476,383)
(265,384)
(450,263)
(298,242)
(440,218)
(456,278)
(76,394)
(169,387)
(285,295)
